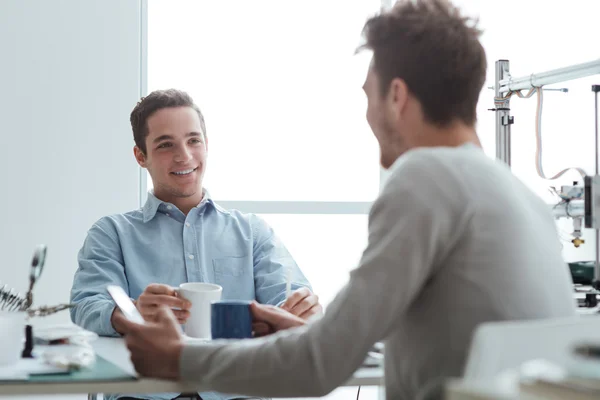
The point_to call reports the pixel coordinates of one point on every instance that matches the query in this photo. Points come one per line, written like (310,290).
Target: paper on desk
(11,373)
(29,366)
(37,366)
(65,331)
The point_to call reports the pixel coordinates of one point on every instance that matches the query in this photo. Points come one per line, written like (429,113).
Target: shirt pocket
(234,274)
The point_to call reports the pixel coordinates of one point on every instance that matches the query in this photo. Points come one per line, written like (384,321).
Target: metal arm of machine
(549,77)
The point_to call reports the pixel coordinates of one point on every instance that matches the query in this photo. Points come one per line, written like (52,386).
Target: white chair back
(499,346)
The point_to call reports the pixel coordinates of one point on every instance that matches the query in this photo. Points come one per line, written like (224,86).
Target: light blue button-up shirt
(160,244)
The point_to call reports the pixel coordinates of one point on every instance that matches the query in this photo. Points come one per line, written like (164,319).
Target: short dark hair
(436,51)
(155,101)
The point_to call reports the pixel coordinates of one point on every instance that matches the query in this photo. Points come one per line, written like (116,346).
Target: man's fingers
(275,317)
(134,335)
(261,329)
(154,300)
(137,362)
(296,298)
(264,313)
(181,315)
(158,288)
(151,314)
(306,304)
(130,340)
(316,310)
(165,315)
(127,327)
(149,317)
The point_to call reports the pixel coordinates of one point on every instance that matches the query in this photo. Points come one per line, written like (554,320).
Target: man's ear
(140,157)
(398,97)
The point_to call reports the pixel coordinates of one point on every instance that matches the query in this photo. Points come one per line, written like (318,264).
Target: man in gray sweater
(454,239)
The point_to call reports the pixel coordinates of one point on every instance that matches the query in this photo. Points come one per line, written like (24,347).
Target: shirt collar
(153,204)
(396,164)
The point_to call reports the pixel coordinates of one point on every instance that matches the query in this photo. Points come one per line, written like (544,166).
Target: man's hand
(303,303)
(269,319)
(156,295)
(156,346)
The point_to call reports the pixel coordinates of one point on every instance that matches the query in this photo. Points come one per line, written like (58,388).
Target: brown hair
(436,51)
(155,101)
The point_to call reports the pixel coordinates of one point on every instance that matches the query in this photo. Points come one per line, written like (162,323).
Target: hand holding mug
(156,295)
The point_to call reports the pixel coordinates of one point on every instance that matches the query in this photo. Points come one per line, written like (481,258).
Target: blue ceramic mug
(231,319)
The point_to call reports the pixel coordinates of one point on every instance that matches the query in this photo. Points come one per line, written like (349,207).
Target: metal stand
(503,118)
(596,89)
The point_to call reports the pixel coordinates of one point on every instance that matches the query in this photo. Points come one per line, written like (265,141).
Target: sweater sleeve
(409,225)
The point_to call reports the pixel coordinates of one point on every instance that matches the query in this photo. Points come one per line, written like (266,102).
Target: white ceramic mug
(200,295)
(12,336)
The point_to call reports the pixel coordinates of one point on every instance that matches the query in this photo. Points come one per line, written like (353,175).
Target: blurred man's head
(170,142)
(427,71)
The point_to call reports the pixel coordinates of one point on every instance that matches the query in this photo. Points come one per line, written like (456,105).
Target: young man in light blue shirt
(180,235)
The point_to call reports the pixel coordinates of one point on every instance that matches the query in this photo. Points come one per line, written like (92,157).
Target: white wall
(69,77)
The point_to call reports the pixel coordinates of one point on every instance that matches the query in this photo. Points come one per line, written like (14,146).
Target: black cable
(358,393)
(560,203)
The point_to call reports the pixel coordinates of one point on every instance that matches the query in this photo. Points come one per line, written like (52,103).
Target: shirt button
(191,256)
(169,207)
(187,224)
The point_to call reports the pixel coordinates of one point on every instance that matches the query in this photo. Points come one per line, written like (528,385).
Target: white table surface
(114,350)
(457,389)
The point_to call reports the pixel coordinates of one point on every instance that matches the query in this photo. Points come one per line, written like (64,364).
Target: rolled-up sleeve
(100,264)
(273,264)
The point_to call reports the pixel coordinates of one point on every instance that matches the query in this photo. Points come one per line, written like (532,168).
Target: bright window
(280,88)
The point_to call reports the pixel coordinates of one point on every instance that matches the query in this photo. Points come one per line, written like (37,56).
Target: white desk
(457,389)
(114,350)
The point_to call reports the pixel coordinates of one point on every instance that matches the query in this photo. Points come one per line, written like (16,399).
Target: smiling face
(175,157)
(388,116)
